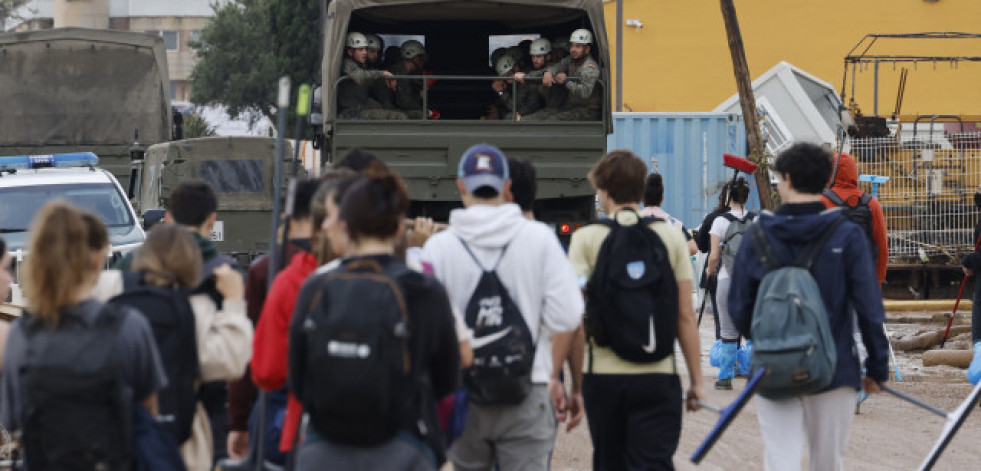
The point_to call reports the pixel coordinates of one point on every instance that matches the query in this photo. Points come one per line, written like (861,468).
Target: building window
(173,89)
(170,39)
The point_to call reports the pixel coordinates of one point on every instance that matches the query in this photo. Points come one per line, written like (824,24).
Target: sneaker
(725,384)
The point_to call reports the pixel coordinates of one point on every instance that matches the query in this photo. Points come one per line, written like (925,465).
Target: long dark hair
(739,191)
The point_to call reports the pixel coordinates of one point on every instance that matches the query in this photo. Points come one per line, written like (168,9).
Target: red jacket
(241,392)
(269,347)
(846,187)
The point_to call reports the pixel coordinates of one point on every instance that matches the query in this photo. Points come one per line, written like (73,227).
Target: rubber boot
(974,371)
(727,363)
(714,354)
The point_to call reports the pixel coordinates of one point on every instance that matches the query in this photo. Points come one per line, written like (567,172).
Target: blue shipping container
(686,149)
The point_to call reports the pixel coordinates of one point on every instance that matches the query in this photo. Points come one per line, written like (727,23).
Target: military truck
(241,170)
(83,90)
(458,36)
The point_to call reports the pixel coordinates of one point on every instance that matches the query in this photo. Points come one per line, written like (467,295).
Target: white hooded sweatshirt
(535,271)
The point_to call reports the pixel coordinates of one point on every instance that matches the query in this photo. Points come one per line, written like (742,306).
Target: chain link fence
(929,198)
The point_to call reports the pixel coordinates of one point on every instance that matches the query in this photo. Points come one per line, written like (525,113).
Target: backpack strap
(477,261)
(834,197)
(865,199)
(810,252)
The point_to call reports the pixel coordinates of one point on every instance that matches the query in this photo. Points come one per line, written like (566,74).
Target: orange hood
(847,175)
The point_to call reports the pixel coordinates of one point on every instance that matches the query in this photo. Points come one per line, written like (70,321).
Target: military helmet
(581,36)
(412,48)
(356,40)
(373,41)
(504,64)
(540,47)
(497,54)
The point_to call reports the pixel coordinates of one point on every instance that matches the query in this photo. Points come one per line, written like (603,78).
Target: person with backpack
(799,275)
(76,371)
(269,360)
(193,204)
(971,265)
(372,344)
(637,277)
(862,208)
(510,280)
(198,341)
(727,233)
(703,241)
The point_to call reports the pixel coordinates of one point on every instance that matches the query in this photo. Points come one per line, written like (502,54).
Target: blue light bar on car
(29,162)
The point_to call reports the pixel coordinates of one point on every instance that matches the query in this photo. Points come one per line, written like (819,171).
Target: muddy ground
(888,434)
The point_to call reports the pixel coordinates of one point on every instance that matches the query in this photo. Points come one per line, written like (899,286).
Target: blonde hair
(63,239)
(169,257)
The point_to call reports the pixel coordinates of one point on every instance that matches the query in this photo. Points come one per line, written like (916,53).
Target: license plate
(218,232)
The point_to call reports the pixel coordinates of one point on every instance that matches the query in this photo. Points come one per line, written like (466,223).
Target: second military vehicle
(458,36)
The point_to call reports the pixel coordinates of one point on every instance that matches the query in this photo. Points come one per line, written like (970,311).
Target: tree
(8,11)
(248,45)
(196,126)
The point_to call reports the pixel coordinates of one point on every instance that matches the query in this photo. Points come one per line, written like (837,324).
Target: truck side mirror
(152,217)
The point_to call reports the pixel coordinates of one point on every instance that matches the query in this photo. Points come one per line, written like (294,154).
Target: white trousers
(821,419)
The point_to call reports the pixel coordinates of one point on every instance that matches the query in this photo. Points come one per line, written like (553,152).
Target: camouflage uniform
(529,100)
(408,92)
(353,99)
(553,97)
(584,97)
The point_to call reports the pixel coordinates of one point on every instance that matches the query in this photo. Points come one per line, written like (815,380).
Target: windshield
(18,205)
(233,176)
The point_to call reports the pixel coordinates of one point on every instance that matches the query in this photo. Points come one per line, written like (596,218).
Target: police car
(28,182)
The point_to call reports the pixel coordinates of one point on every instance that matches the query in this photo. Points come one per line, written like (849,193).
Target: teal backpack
(790,331)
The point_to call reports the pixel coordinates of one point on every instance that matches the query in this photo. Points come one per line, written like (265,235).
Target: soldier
(540,51)
(374,49)
(408,92)
(577,74)
(528,99)
(353,98)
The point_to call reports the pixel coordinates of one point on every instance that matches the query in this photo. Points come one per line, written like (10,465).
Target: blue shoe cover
(974,371)
(743,357)
(714,353)
(727,359)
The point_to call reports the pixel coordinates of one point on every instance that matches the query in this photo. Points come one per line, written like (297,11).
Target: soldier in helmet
(554,97)
(528,99)
(375,46)
(408,92)
(353,99)
(578,74)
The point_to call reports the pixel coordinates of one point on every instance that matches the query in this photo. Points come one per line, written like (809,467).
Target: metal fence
(929,198)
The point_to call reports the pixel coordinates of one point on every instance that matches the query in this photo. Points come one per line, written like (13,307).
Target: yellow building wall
(679,60)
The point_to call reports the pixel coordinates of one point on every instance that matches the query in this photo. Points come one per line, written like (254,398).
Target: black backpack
(357,358)
(169,313)
(632,296)
(860,213)
(503,347)
(77,412)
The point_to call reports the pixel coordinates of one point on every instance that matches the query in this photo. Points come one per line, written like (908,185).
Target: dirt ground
(888,434)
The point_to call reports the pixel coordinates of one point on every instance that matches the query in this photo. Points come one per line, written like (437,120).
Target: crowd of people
(553,80)
(392,343)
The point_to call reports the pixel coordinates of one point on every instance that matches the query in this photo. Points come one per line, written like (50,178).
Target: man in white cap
(408,92)
(509,279)
(526,101)
(353,99)
(578,74)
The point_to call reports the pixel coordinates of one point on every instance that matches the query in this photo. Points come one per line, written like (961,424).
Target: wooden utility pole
(748,102)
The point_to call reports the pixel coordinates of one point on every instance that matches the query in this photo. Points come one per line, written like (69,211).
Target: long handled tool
(726,415)
(954,421)
(958,302)
(892,355)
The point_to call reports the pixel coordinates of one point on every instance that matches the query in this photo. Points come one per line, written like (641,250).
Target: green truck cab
(458,36)
(240,169)
(82,90)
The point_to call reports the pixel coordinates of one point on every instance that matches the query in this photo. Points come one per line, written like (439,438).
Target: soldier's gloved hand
(547,79)
(520,77)
(560,78)
(498,86)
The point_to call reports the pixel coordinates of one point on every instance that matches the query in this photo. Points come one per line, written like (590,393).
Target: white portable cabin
(794,106)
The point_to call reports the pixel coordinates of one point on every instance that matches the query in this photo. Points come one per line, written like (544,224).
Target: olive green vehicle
(241,170)
(458,37)
(83,90)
